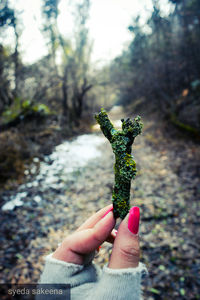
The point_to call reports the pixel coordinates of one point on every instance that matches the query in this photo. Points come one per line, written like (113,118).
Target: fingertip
(134,219)
(108,217)
(106,224)
(107,212)
(126,250)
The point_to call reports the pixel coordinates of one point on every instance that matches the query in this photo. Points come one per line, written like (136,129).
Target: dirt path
(166,191)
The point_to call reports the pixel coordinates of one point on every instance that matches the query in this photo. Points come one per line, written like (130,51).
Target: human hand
(80,246)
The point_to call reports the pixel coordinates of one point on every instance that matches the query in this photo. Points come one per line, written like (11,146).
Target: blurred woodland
(54,99)
(162,65)
(160,69)
(45,98)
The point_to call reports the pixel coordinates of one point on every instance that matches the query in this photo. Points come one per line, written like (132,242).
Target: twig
(125,167)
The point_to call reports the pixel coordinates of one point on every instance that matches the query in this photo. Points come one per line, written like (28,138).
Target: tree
(162,65)
(50,13)
(73,72)
(5,90)
(77,63)
(8,18)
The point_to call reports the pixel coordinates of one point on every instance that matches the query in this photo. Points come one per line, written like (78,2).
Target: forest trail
(170,234)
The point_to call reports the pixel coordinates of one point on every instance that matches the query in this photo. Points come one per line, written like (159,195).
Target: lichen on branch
(125,166)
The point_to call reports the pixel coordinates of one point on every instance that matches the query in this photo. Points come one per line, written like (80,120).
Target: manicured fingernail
(98,249)
(110,209)
(115,231)
(134,219)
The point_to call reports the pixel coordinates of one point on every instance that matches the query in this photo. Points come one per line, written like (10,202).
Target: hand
(79,247)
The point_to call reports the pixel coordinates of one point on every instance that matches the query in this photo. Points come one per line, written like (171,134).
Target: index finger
(94,219)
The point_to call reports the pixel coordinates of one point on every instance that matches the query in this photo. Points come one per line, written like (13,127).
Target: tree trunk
(80,97)
(65,96)
(16,62)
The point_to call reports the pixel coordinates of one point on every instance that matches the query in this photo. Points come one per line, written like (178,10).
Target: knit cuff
(119,284)
(49,258)
(58,271)
(141,269)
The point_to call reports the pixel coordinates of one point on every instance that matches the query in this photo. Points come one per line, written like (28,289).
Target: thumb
(126,249)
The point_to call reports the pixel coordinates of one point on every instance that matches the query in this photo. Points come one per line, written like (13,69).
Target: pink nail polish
(110,209)
(115,232)
(98,249)
(134,219)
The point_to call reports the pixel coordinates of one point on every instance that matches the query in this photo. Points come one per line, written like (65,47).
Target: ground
(167,191)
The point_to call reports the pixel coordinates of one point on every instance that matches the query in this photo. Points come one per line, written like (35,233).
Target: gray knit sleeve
(119,284)
(90,282)
(58,271)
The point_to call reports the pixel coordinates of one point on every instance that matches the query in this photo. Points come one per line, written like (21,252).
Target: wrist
(67,255)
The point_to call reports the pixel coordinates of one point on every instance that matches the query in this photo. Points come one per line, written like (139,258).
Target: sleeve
(58,271)
(119,284)
(90,282)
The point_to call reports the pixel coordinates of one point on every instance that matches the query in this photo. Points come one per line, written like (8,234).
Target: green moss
(125,166)
(21,109)
(183,126)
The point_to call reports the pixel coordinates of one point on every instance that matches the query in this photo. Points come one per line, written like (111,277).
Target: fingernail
(134,219)
(98,249)
(110,209)
(115,232)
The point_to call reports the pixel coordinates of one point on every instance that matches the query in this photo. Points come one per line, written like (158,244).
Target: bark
(65,94)
(125,166)
(16,62)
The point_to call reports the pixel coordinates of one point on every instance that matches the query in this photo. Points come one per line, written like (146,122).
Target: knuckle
(129,252)
(97,238)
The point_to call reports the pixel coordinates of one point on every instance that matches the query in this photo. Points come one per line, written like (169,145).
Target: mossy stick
(125,166)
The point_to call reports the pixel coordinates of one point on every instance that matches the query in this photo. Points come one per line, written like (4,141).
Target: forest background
(160,69)
(53,99)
